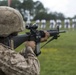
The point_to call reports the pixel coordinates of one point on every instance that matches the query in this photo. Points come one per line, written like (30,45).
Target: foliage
(36,9)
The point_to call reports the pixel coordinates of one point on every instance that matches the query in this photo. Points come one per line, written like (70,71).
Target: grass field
(59,56)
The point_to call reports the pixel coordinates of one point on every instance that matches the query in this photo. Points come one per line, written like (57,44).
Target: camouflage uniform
(11,62)
(24,63)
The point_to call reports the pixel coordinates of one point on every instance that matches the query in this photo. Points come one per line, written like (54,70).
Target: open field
(59,56)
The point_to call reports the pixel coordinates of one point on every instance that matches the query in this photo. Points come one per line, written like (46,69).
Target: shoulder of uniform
(2,46)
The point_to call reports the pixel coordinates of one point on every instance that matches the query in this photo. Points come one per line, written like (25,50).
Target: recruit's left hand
(47,35)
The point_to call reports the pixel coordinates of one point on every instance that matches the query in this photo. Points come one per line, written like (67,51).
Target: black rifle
(33,35)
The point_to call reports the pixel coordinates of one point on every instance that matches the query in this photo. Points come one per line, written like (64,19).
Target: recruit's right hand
(30,44)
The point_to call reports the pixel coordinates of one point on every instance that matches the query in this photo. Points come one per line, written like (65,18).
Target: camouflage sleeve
(12,63)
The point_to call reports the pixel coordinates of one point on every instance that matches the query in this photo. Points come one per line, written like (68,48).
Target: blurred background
(59,56)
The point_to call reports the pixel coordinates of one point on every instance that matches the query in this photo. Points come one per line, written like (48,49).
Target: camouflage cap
(10,21)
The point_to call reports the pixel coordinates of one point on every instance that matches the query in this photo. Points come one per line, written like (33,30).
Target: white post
(9,3)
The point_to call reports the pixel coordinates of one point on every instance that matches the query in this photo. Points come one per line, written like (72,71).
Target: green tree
(60,16)
(16,4)
(38,6)
(27,5)
(3,3)
(36,9)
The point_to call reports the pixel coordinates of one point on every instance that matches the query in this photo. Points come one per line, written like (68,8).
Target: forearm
(31,60)
(13,63)
(28,52)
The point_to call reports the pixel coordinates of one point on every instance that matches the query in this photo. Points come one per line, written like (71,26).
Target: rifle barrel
(55,32)
(62,31)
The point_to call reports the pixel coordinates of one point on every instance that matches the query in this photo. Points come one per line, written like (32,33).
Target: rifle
(33,35)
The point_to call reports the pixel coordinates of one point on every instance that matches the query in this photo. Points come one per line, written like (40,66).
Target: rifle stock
(18,40)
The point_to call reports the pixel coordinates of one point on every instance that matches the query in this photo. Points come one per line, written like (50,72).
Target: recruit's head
(11,21)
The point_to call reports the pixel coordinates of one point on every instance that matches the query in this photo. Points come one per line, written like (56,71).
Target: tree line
(35,8)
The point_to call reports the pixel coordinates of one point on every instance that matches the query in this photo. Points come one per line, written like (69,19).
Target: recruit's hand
(30,44)
(47,35)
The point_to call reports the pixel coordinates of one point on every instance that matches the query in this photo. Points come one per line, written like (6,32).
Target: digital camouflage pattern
(24,63)
(10,21)
(11,62)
